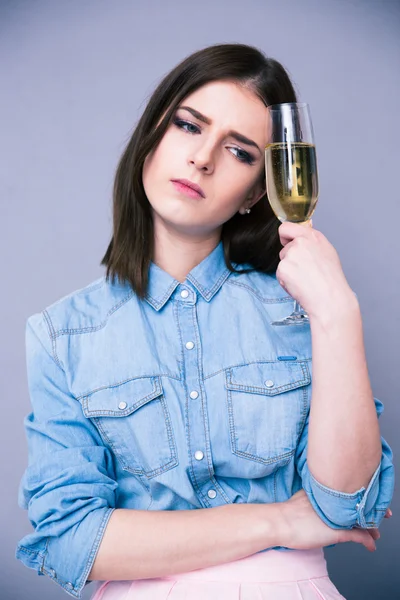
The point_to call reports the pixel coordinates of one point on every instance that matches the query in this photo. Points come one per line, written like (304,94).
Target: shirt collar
(207,277)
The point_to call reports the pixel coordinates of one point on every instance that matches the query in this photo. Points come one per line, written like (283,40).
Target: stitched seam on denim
(56,578)
(275,485)
(219,282)
(118,455)
(268,392)
(193,315)
(118,383)
(307,374)
(52,336)
(80,330)
(254,457)
(239,387)
(181,362)
(28,551)
(262,298)
(208,294)
(260,361)
(173,461)
(180,307)
(119,452)
(159,303)
(157,391)
(354,496)
(304,415)
(79,292)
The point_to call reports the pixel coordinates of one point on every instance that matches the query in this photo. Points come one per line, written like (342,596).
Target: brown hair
(251,239)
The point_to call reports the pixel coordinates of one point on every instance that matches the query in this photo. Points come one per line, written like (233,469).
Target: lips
(191,185)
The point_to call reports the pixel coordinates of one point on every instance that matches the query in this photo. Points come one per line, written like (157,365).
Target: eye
(185,125)
(243,156)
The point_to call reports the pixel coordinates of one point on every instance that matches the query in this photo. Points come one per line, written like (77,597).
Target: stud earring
(247,210)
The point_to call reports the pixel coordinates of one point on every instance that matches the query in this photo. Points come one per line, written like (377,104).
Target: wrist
(343,308)
(282,524)
(275,526)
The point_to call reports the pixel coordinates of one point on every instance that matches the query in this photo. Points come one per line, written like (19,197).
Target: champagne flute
(291,174)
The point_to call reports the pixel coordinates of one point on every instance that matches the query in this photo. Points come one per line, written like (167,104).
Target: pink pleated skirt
(271,575)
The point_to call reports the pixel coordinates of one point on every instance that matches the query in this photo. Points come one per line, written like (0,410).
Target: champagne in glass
(291,173)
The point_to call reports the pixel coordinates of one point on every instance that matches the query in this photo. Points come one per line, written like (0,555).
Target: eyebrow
(235,134)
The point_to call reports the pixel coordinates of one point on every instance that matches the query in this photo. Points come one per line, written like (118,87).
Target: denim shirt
(186,399)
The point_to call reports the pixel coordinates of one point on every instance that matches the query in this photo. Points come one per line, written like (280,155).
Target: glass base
(293,319)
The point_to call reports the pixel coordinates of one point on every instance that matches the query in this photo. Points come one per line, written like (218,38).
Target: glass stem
(297,308)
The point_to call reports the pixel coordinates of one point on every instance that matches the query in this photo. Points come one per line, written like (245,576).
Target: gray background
(74,78)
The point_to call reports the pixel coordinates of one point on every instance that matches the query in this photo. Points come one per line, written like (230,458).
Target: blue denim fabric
(187,399)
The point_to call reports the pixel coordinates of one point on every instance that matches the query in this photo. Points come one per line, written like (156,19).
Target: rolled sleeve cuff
(67,559)
(341,510)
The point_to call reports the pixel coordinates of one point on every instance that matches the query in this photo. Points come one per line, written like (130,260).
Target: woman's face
(216,140)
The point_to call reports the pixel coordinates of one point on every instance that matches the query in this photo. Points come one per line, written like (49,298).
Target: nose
(202,159)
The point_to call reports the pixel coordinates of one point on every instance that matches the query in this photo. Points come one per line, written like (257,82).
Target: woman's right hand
(303,529)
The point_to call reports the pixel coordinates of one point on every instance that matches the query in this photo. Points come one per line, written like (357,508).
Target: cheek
(162,162)
(234,185)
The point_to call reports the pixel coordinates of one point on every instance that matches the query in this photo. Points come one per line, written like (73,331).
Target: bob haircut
(252,238)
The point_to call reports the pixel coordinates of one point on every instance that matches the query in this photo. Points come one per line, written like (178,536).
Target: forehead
(232,106)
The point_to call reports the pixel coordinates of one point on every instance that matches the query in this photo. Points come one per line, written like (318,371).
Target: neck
(178,255)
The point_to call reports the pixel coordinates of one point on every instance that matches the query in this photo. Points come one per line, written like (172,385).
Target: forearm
(141,544)
(344,447)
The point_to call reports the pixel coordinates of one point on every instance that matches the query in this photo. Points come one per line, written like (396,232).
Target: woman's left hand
(310,270)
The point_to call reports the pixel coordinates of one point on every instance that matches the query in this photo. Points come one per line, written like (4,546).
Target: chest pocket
(134,420)
(267,408)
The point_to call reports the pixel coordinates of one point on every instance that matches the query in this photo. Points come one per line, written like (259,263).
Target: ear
(255,195)
(259,192)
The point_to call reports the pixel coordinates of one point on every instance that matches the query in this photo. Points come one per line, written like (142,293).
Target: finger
(362,536)
(285,250)
(374,533)
(289,231)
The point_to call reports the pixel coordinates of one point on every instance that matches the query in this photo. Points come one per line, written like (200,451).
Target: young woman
(175,447)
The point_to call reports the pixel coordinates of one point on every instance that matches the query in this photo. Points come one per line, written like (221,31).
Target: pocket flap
(122,399)
(268,378)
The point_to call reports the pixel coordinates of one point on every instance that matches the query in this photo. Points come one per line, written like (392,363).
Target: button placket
(196,432)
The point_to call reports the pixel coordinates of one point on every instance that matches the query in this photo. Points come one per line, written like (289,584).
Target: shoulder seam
(52,336)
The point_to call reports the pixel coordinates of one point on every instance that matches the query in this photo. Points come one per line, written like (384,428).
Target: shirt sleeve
(69,484)
(364,508)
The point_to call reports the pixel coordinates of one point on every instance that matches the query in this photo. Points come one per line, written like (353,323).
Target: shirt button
(53,573)
(69,585)
(269,383)
(122,405)
(357,506)
(194,395)
(198,455)
(189,345)
(184,293)
(211,493)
